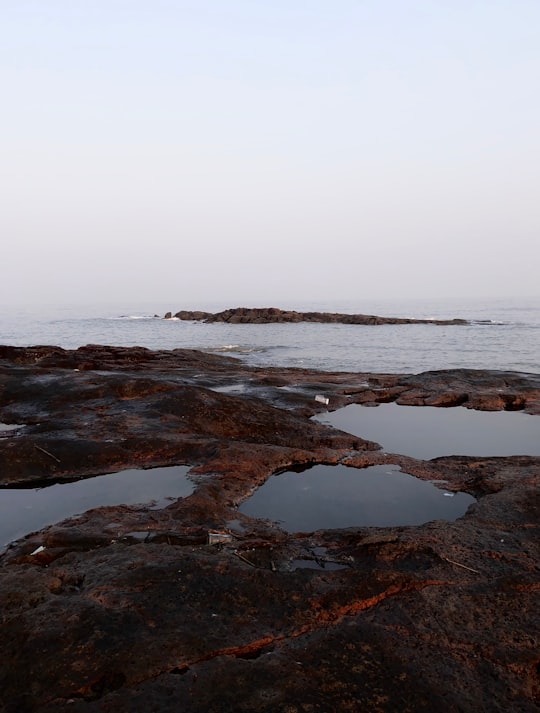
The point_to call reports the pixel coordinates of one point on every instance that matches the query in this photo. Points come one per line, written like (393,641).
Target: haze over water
(246,151)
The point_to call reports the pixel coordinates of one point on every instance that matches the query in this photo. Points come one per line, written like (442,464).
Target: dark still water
(326,497)
(427,432)
(23,510)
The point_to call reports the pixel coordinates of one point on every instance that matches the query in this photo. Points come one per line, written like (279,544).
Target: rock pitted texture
(131,609)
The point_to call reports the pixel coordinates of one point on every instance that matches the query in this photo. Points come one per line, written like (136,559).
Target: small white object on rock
(219,538)
(322,399)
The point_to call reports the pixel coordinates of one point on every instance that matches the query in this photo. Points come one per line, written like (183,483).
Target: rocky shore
(268,315)
(132,609)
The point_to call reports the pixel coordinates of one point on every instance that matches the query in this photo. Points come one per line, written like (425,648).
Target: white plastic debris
(37,550)
(322,399)
(449,495)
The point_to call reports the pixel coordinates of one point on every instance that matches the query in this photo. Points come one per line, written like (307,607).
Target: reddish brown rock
(473,388)
(130,609)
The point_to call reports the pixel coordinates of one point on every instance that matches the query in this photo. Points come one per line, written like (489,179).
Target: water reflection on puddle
(328,497)
(230,389)
(5,428)
(23,511)
(427,432)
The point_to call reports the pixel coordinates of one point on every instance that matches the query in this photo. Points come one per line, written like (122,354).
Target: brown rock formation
(267,315)
(130,609)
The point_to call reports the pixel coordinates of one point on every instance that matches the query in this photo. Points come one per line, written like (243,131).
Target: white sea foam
(234,348)
(488,322)
(133,316)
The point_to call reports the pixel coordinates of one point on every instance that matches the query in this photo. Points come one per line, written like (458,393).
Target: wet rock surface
(268,315)
(131,609)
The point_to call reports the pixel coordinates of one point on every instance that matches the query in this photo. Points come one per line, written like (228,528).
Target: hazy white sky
(248,150)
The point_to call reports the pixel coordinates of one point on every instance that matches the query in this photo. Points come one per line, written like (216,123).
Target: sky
(255,152)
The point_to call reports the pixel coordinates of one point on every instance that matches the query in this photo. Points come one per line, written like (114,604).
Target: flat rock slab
(131,609)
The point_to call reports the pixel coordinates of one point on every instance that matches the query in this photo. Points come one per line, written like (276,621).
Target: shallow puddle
(230,389)
(427,432)
(328,497)
(26,510)
(5,428)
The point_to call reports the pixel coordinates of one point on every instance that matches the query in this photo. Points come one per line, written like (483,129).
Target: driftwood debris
(39,448)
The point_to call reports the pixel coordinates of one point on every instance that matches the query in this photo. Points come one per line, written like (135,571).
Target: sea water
(502,334)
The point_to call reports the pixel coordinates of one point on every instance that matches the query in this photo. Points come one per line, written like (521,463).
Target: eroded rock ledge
(130,609)
(267,315)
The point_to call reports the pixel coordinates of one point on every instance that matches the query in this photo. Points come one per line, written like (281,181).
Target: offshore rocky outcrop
(268,315)
(131,609)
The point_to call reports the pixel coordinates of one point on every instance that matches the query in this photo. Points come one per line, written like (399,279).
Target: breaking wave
(135,316)
(237,348)
(488,322)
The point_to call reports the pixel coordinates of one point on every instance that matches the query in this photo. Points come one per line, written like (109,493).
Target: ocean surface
(502,334)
